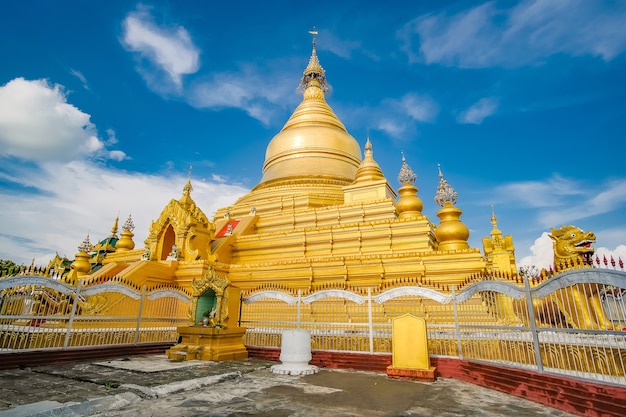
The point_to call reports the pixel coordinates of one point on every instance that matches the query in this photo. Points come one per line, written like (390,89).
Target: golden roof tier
(313,154)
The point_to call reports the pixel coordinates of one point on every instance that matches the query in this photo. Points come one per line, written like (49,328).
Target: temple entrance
(169,238)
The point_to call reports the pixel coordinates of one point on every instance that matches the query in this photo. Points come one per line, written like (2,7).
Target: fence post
(369,318)
(533,325)
(72,314)
(457,325)
(240,308)
(299,301)
(143,296)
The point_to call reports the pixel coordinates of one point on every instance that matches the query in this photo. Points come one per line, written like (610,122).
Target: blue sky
(105,105)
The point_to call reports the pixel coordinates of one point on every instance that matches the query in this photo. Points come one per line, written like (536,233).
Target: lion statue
(572,246)
(576,306)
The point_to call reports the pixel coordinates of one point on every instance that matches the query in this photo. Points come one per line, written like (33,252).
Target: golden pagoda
(322,214)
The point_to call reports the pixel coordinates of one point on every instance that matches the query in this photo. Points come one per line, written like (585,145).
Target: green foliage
(7,267)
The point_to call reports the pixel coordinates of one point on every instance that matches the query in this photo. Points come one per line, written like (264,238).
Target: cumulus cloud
(493,35)
(542,253)
(37,123)
(71,200)
(168,50)
(478,111)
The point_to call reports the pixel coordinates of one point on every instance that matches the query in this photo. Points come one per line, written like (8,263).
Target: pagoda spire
(409,205)
(186,198)
(81,264)
(115,226)
(313,74)
(406,175)
(445,193)
(451,233)
(126,240)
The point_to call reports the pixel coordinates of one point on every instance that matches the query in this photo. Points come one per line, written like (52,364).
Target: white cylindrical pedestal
(295,354)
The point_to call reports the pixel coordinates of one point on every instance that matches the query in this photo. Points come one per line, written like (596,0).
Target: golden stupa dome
(313,143)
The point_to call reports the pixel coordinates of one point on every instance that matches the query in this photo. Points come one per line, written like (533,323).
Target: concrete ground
(155,386)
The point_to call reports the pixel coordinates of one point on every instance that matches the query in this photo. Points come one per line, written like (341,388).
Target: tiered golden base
(209,344)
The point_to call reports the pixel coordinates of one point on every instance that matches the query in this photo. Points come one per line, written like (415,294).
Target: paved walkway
(155,386)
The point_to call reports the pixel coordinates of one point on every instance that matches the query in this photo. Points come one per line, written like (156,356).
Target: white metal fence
(568,324)
(38,312)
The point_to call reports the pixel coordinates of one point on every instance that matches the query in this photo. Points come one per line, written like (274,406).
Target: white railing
(569,324)
(42,313)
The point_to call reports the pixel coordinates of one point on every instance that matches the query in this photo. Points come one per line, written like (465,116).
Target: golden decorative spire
(126,239)
(81,264)
(496,234)
(494,221)
(409,204)
(85,246)
(128,224)
(445,193)
(406,175)
(114,228)
(186,198)
(313,74)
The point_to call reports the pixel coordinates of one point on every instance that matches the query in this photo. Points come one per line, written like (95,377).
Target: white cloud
(478,111)
(490,35)
(616,254)
(117,155)
(561,201)
(80,77)
(250,89)
(78,198)
(611,196)
(397,117)
(37,123)
(549,193)
(168,49)
(340,47)
(394,128)
(542,253)
(417,107)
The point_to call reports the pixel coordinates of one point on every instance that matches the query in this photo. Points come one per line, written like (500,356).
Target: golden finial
(406,175)
(114,228)
(128,224)
(313,32)
(445,193)
(314,70)
(494,221)
(188,188)
(85,246)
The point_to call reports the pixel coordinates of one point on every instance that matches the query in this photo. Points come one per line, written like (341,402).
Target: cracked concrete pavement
(155,386)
